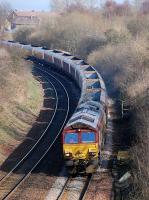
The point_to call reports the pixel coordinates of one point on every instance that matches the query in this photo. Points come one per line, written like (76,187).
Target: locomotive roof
(86,115)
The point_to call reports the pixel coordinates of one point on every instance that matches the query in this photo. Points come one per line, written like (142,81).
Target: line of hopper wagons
(83,135)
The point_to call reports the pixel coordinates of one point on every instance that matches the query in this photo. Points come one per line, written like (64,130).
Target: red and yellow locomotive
(83,138)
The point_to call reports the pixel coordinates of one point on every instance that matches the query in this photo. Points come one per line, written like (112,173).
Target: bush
(138,25)
(114,37)
(23,34)
(130,57)
(89,44)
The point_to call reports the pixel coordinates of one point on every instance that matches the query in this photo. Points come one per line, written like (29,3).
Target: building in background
(17,19)
(23,18)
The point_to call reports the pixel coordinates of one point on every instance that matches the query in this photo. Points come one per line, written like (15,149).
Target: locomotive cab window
(71,138)
(88,137)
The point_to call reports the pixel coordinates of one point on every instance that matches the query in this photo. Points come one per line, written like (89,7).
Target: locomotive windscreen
(88,137)
(80,137)
(71,138)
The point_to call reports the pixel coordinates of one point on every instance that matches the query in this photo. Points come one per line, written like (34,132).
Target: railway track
(100,187)
(74,188)
(66,188)
(20,173)
(37,142)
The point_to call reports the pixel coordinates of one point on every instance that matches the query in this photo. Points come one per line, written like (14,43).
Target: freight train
(83,135)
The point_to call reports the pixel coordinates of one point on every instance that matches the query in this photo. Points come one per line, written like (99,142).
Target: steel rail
(62,191)
(35,145)
(81,191)
(83,195)
(45,153)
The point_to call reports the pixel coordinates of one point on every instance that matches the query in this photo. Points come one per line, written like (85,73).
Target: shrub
(138,25)
(22,35)
(89,44)
(115,36)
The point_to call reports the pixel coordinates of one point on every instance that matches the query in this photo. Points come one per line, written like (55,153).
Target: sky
(32,4)
(28,4)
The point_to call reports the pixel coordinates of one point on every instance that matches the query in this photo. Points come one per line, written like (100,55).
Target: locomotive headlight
(68,154)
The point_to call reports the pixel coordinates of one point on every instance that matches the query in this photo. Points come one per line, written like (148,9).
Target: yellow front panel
(80,151)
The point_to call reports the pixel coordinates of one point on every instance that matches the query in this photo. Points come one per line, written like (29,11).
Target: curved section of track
(38,141)
(20,174)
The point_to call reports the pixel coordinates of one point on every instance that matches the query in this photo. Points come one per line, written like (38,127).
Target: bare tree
(93,3)
(4,11)
(144,7)
(61,5)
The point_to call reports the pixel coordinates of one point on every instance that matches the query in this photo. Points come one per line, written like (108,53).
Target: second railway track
(13,180)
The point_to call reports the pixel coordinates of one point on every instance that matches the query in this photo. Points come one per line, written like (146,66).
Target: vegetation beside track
(125,68)
(20,100)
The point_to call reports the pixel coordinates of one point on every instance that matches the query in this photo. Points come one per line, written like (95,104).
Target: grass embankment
(20,101)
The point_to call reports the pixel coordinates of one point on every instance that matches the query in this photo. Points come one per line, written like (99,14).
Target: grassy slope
(20,101)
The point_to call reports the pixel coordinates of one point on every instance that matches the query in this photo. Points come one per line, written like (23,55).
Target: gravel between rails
(75,188)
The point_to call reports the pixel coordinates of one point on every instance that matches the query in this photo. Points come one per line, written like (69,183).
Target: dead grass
(20,101)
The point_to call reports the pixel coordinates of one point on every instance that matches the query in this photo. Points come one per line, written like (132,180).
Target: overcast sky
(32,4)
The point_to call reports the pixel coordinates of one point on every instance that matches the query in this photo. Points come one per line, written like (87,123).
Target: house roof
(28,17)
(20,21)
(34,13)
(37,14)
(27,13)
